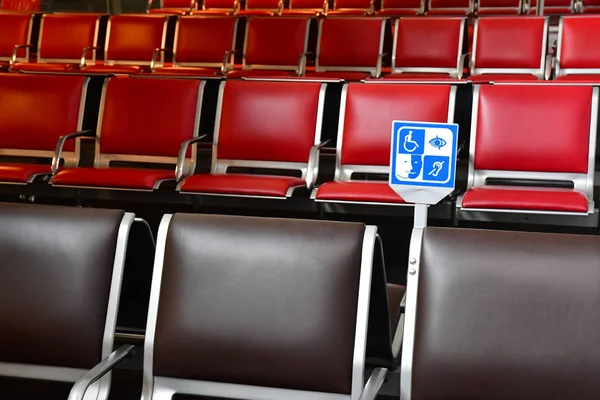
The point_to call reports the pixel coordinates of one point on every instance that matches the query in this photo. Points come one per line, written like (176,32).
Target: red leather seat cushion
(358,192)
(169,10)
(348,11)
(250,73)
(347,76)
(448,11)
(112,69)
(420,76)
(257,13)
(21,172)
(239,184)
(186,71)
(538,199)
(42,67)
(127,178)
(592,78)
(391,12)
(502,77)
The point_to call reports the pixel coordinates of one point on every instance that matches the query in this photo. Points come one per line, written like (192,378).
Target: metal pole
(420,219)
(539,7)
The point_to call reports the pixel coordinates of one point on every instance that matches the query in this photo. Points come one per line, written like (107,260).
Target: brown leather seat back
(56,266)
(507,315)
(259,301)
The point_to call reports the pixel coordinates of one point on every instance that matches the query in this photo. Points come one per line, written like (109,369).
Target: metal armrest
(193,6)
(312,171)
(84,54)
(157,51)
(101,369)
(228,55)
(325,7)
(61,143)
(462,63)
(550,62)
(373,385)
(181,156)
(279,8)
(13,58)
(301,70)
(398,335)
(380,64)
(149,5)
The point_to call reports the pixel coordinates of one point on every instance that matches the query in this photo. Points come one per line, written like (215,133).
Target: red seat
(450,7)
(15,30)
(219,7)
(364,136)
(591,6)
(132,41)
(486,78)
(141,121)
(578,53)
(174,7)
(35,111)
(352,7)
(429,48)
(269,125)
(262,7)
(509,46)
(557,123)
(20,5)
(61,43)
(307,7)
(201,46)
(350,44)
(511,198)
(498,7)
(551,7)
(274,46)
(397,8)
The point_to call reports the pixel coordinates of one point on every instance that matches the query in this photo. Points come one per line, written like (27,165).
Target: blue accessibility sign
(423,160)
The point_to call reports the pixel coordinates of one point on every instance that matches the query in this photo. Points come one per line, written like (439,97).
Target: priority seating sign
(423,160)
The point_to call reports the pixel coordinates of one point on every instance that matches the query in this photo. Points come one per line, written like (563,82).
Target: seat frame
(299,68)
(374,72)
(309,169)
(541,73)
(343,172)
(163,388)
(581,182)
(26,46)
(99,390)
(558,71)
(103,160)
(453,72)
(71,158)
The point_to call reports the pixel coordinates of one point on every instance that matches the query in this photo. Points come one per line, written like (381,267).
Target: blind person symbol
(423,162)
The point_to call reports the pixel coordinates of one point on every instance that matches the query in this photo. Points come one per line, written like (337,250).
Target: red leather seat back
(176,4)
(369,112)
(262,4)
(133,38)
(358,5)
(20,5)
(35,110)
(306,4)
(498,6)
(507,43)
(579,48)
(449,7)
(553,6)
(351,42)
(15,29)
(148,117)
(553,120)
(428,44)
(268,121)
(401,5)
(273,41)
(64,36)
(203,41)
(219,4)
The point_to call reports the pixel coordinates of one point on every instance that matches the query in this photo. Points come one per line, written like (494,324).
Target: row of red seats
(525,133)
(348,48)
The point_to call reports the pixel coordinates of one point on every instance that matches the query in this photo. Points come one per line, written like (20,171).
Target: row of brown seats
(347,48)
(221,322)
(531,159)
(237,310)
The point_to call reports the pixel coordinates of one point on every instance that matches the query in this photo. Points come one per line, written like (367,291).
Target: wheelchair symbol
(409,144)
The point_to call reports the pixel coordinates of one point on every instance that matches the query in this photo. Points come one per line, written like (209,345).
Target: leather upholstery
(448,7)
(487,7)
(21,173)
(592,78)
(351,7)
(57,264)
(510,43)
(358,191)
(257,5)
(415,76)
(399,7)
(305,7)
(239,184)
(20,5)
(266,302)
(507,315)
(47,108)
(14,30)
(486,78)
(203,40)
(543,111)
(187,72)
(350,42)
(346,76)
(517,198)
(112,69)
(127,178)
(64,36)
(577,46)
(134,37)
(423,42)
(42,67)
(553,7)
(217,7)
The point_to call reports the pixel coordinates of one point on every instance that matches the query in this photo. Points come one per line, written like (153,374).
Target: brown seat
(60,283)
(264,308)
(502,315)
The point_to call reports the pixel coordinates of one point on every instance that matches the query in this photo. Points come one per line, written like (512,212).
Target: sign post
(423,163)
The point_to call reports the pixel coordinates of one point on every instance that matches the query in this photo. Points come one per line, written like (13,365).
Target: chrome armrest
(157,51)
(550,62)
(61,143)
(578,6)
(193,6)
(312,171)
(13,58)
(462,64)
(181,156)
(279,8)
(101,369)
(373,385)
(301,70)
(84,54)
(398,335)
(228,57)
(325,7)
(237,5)
(149,6)
(379,64)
